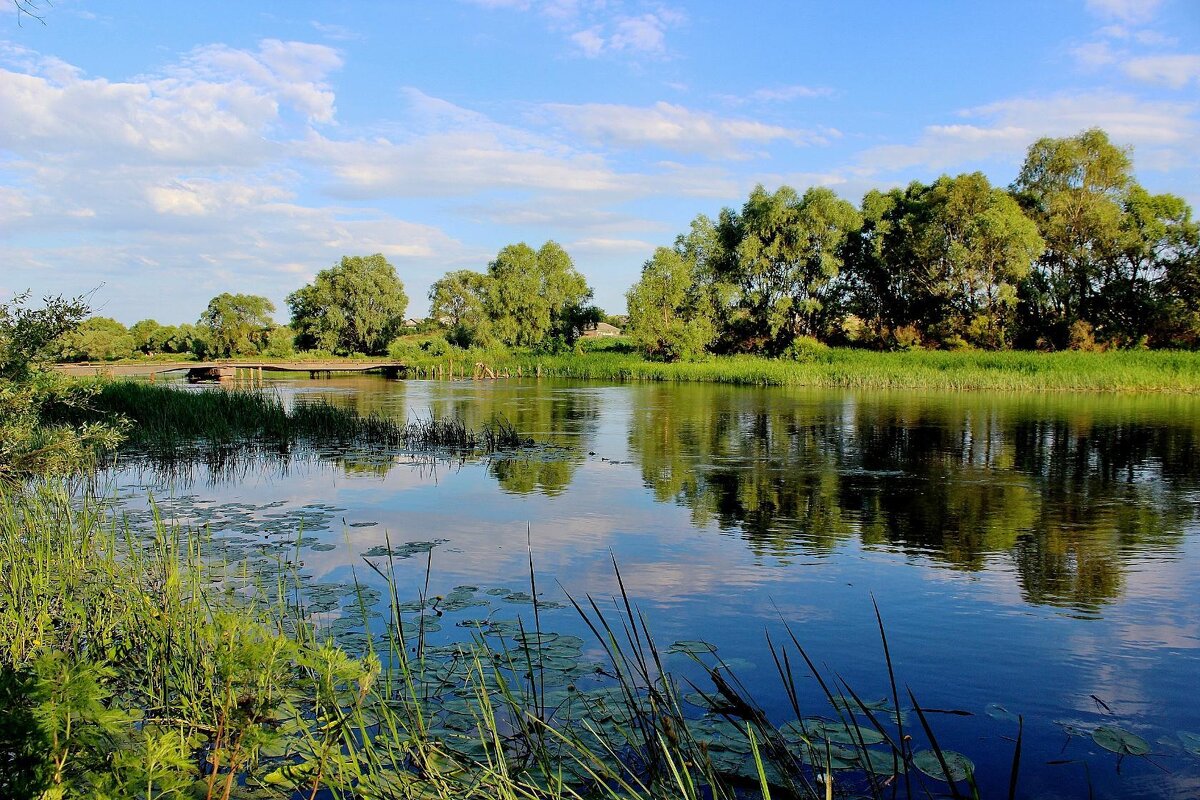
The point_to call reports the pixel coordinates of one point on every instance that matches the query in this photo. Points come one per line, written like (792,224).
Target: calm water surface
(1037,552)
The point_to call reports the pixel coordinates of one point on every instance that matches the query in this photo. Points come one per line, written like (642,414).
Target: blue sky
(160,154)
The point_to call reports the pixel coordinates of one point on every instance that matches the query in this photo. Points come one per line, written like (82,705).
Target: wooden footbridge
(231,370)
(252,371)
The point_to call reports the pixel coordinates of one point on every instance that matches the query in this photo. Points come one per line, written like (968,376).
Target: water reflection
(1062,490)
(1067,488)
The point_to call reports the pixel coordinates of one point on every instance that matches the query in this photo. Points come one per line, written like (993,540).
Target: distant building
(412,324)
(601,329)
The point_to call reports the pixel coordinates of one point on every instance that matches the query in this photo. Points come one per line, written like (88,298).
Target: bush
(806,348)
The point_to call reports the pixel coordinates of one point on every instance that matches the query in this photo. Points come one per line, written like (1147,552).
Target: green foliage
(941,263)
(97,339)
(356,306)
(460,301)
(236,324)
(670,316)
(785,257)
(1110,246)
(281,342)
(30,393)
(537,298)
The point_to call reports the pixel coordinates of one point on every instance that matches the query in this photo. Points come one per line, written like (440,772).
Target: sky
(154,155)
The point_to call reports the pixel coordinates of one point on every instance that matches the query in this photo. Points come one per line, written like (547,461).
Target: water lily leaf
(1120,741)
(847,734)
(692,646)
(959,765)
(1191,742)
(1071,729)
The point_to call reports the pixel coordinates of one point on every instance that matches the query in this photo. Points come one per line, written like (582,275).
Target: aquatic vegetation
(1119,371)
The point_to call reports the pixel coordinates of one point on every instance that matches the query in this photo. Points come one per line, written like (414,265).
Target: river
(1029,554)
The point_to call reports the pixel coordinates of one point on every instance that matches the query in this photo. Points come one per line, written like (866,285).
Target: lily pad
(1191,742)
(959,766)
(692,647)
(1120,741)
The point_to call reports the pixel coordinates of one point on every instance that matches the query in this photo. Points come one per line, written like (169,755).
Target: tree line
(1075,253)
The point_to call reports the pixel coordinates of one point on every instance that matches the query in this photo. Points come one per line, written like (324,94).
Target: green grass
(1120,371)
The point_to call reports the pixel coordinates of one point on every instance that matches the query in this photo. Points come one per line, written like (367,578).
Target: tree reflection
(1067,489)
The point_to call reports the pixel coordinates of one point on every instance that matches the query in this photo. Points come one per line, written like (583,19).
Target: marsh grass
(128,671)
(227,428)
(1123,371)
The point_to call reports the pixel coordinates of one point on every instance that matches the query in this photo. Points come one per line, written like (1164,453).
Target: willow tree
(1074,188)
(460,300)
(974,246)
(236,324)
(670,314)
(785,256)
(356,306)
(537,297)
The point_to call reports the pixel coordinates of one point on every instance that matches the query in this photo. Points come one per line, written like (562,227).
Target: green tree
(31,394)
(536,296)
(670,316)
(97,339)
(786,256)
(236,324)
(1074,188)
(1151,292)
(973,246)
(941,262)
(356,306)
(460,298)
(151,338)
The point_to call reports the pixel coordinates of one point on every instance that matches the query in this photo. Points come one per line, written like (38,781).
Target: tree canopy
(537,296)
(356,306)
(236,324)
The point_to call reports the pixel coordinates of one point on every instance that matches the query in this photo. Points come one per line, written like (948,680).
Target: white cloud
(675,128)
(1125,10)
(599,244)
(1176,71)
(787,93)
(595,27)
(1159,131)
(1094,54)
(643,34)
(589,42)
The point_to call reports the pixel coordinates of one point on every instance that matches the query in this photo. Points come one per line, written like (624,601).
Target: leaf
(960,766)
(1120,741)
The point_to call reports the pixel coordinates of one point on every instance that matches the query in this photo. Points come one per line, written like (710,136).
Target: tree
(973,246)
(31,393)
(536,296)
(786,252)
(460,298)
(670,316)
(941,263)
(236,324)
(1074,189)
(356,306)
(1164,251)
(97,339)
